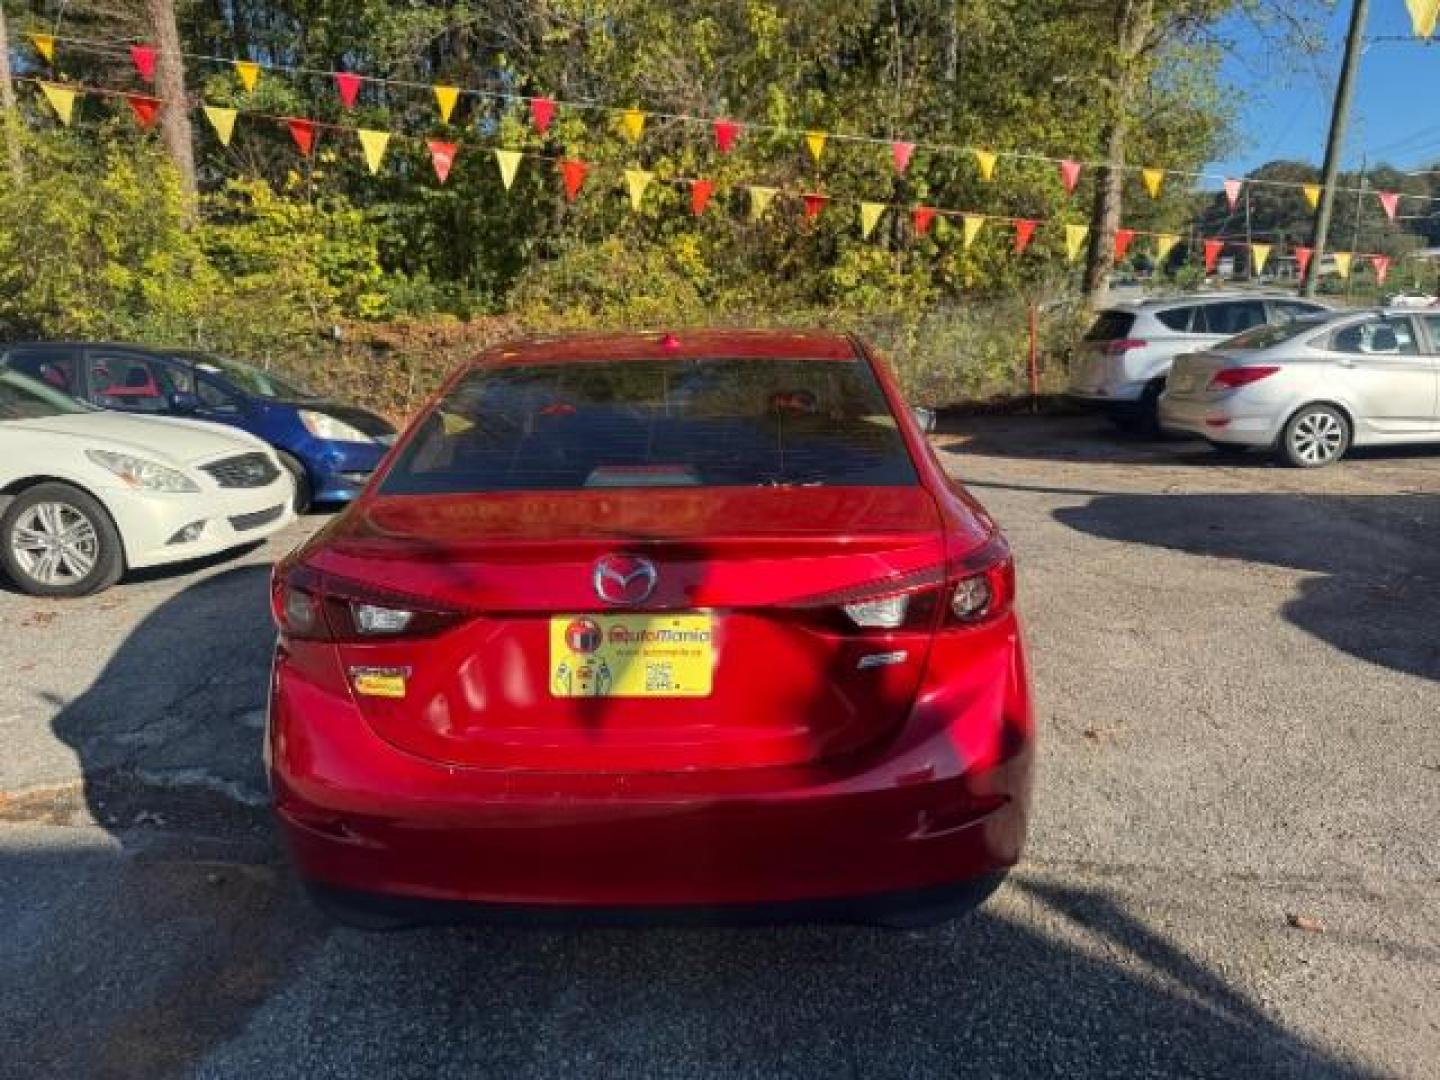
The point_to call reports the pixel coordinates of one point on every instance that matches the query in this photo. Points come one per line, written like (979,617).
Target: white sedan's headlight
(324,426)
(142,474)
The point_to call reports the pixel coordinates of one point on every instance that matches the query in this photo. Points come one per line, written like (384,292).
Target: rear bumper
(942,806)
(1219,420)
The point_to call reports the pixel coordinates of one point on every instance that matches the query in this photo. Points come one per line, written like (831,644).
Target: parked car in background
(1411,300)
(1123,359)
(1314,388)
(86,494)
(329,448)
(658,625)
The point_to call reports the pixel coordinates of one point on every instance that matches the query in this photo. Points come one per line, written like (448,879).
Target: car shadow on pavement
(1090,440)
(1377,586)
(179,943)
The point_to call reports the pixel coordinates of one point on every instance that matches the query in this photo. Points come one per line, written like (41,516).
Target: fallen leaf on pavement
(1308,923)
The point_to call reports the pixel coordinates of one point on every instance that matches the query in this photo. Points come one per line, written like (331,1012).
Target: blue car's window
(644,423)
(252,380)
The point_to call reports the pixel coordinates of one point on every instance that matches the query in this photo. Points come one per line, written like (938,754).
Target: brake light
(982,586)
(309,605)
(1231,378)
(1124,345)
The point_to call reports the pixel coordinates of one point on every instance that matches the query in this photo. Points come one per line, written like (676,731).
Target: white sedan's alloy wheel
(54,543)
(1316,436)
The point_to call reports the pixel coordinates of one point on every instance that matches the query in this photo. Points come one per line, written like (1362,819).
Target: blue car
(329,448)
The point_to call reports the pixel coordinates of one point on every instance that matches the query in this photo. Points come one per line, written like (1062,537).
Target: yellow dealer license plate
(631,655)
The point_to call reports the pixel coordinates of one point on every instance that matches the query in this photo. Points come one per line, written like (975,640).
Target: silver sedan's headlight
(325,426)
(142,474)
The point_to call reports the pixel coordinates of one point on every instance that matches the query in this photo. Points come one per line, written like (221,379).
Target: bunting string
(631,121)
(575,174)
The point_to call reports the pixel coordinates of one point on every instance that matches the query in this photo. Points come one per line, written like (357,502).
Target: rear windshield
(1262,337)
(1110,326)
(648,423)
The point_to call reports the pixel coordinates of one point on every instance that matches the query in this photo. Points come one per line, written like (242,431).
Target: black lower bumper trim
(910,909)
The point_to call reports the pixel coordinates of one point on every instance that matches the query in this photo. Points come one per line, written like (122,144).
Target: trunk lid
(1191,373)
(748,581)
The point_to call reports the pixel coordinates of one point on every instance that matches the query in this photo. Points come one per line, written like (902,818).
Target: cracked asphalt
(1238,676)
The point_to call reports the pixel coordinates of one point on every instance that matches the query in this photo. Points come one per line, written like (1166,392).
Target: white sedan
(1313,389)
(86,495)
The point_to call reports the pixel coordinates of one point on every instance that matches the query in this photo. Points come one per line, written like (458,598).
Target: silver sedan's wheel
(56,540)
(54,544)
(1316,435)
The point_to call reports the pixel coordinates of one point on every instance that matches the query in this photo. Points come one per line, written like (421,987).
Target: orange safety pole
(1034,359)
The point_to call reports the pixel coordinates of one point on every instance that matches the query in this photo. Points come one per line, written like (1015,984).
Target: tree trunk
(170,87)
(9,110)
(1134,21)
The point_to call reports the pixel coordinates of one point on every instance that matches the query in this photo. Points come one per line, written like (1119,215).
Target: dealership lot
(1238,670)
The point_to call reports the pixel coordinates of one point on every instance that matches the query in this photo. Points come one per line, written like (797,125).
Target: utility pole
(1339,118)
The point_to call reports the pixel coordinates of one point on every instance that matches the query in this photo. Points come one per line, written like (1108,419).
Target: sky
(1287,97)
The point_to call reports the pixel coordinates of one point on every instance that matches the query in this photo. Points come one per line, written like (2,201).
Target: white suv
(1121,364)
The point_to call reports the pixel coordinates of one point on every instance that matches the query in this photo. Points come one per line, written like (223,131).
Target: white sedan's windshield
(24,398)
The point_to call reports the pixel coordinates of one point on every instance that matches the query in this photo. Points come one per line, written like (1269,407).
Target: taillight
(1124,345)
(307,604)
(982,586)
(1231,378)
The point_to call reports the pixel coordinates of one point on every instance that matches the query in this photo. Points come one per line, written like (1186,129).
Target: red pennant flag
(572,172)
(145,108)
(303,132)
(348,83)
(922,217)
(900,154)
(1390,200)
(1381,263)
(1302,258)
(814,204)
(1212,253)
(1069,175)
(442,156)
(726,132)
(1232,192)
(542,111)
(144,58)
(700,192)
(1024,230)
(1122,242)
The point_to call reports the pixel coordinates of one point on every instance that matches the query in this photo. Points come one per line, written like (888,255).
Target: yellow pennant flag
(1312,194)
(445,98)
(509,161)
(633,121)
(971,225)
(760,200)
(249,72)
(637,180)
(1164,244)
(1153,179)
(1258,254)
(374,144)
(223,121)
(986,160)
(815,140)
(1075,240)
(1342,263)
(62,100)
(869,217)
(1423,14)
(45,46)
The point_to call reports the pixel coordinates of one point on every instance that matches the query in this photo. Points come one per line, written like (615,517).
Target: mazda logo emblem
(625,579)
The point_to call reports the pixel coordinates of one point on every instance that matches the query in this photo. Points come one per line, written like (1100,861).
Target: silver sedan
(1313,388)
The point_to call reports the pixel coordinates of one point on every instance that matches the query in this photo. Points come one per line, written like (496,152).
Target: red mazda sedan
(654,626)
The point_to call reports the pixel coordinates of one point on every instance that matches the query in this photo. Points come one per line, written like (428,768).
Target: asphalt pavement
(1233,867)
